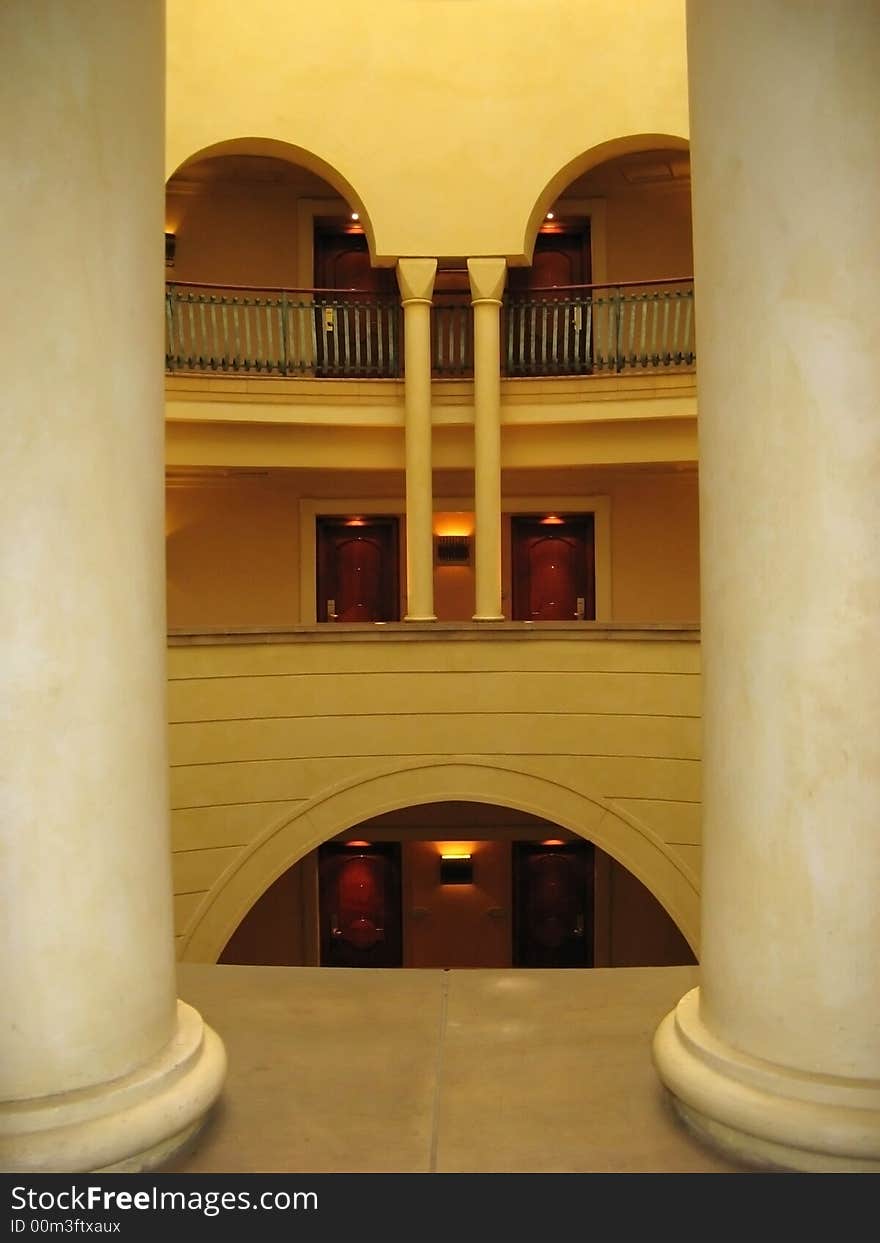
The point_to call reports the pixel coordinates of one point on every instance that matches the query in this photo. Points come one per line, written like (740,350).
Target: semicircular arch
(276,148)
(462,780)
(581,163)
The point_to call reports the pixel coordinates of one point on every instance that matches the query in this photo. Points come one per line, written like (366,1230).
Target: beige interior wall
(232,552)
(235,234)
(233,543)
(655,538)
(278,746)
(448,124)
(445,927)
(241,220)
(647,232)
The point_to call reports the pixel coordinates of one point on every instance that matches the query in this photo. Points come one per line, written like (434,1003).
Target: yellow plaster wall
(655,547)
(450,125)
(277,746)
(246,220)
(232,554)
(231,234)
(646,226)
(233,542)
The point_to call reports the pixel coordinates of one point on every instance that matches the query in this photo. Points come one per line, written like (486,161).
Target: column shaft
(778,1055)
(487,278)
(416,280)
(89,971)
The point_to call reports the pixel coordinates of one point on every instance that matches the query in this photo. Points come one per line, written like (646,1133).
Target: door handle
(581,608)
(331,610)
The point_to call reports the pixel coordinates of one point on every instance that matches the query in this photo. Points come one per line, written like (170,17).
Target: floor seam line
(438,1072)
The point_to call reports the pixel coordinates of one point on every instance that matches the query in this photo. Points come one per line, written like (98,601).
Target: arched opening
(269,270)
(609,288)
(453,884)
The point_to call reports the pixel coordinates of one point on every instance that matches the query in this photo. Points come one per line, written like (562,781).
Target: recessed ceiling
(250,170)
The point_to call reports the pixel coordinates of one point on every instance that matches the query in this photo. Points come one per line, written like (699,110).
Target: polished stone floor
(363,1071)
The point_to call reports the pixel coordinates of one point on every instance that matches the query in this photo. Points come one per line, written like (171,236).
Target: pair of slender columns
(416,280)
(99,1066)
(776,1057)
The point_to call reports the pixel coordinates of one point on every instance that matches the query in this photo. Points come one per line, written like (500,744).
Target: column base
(127,1126)
(414,617)
(761,1113)
(488,617)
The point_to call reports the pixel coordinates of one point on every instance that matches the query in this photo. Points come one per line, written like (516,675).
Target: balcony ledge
(676,632)
(364,403)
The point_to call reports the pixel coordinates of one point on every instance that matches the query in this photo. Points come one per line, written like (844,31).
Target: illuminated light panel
(553,841)
(355,522)
(456,848)
(552,520)
(358,843)
(458,523)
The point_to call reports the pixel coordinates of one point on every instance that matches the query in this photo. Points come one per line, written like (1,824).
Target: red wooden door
(561,257)
(553,568)
(353,335)
(553,905)
(359,905)
(545,331)
(357,569)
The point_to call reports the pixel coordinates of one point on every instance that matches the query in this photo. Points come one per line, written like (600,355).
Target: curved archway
(275,148)
(630,144)
(476,781)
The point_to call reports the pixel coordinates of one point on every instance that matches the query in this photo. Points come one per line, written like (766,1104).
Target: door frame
(309,510)
(310,507)
(390,573)
(538,506)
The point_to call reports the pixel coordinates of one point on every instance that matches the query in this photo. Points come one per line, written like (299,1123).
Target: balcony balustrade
(561,331)
(586,329)
(281,332)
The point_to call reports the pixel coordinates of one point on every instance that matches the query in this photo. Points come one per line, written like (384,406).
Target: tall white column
(487,277)
(777,1056)
(416,280)
(99,1066)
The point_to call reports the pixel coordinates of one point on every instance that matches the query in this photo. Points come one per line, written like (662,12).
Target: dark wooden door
(359,905)
(554,577)
(547,333)
(358,569)
(553,905)
(561,257)
(357,326)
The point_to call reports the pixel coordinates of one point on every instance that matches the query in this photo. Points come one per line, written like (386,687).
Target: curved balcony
(576,330)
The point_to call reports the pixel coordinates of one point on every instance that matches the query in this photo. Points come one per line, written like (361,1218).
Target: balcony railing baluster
(599,328)
(281,332)
(571,330)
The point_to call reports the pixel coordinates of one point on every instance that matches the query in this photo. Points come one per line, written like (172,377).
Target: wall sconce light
(170,249)
(456,870)
(452,550)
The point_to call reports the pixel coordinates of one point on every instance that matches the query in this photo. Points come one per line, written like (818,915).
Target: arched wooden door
(553,568)
(357,569)
(354,335)
(553,905)
(359,905)
(547,333)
